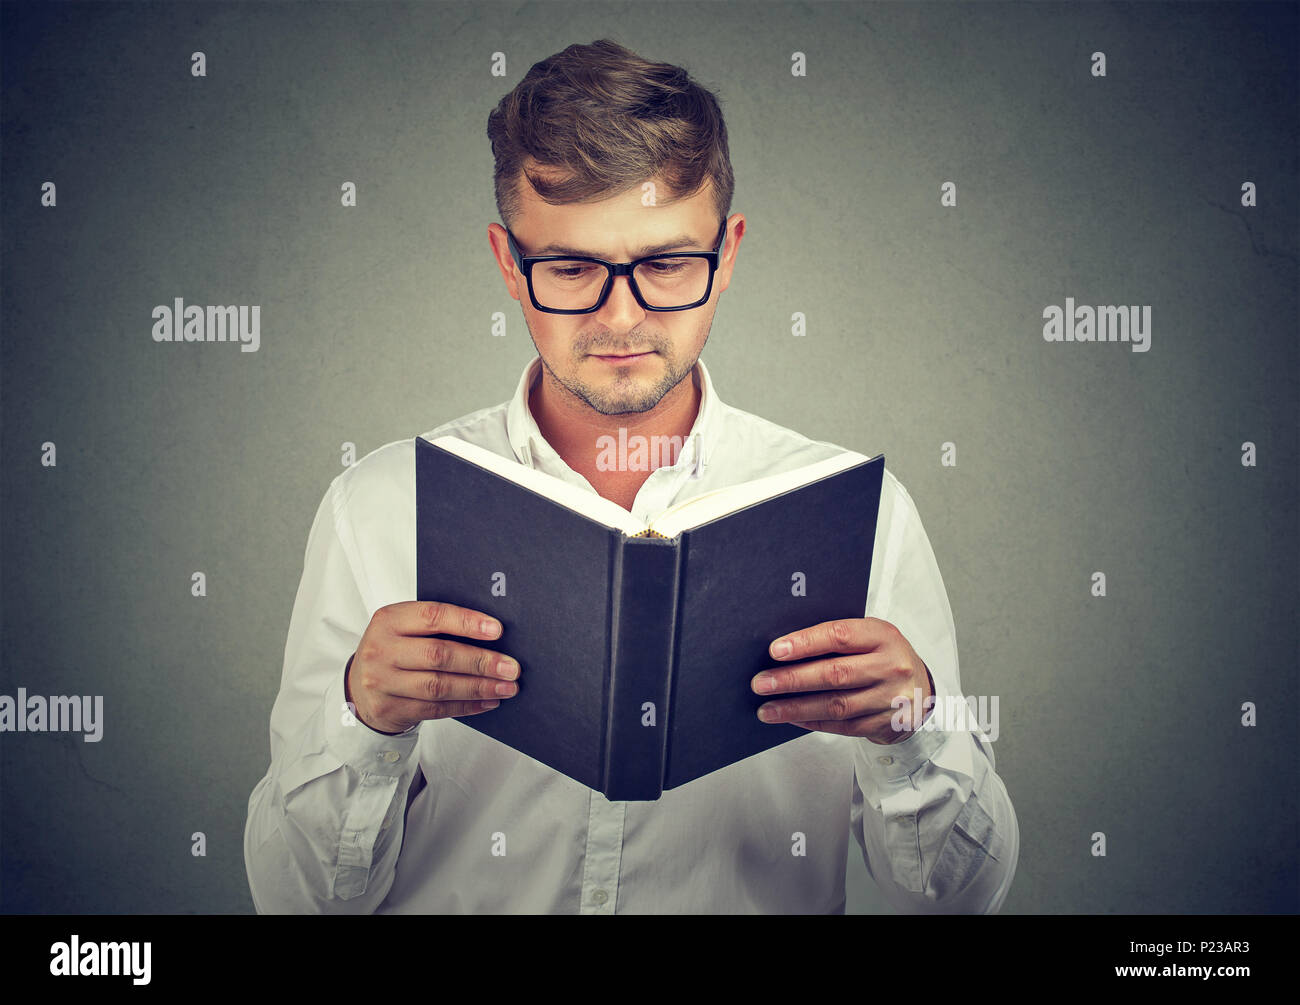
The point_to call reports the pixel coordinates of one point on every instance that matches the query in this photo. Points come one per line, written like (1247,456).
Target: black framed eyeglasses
(575,284)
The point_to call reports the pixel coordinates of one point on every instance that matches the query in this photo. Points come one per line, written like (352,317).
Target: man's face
(577,349)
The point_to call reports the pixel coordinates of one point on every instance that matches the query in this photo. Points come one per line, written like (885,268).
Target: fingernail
(780,649)
(507,668)
(765,683)
(506,690)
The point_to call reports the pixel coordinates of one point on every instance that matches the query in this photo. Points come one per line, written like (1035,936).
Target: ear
(735,231)
(505,261)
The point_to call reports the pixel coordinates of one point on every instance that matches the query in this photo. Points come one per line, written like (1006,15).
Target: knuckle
(435,651)
(483,661)
(838,674)
(368,652)
(432,613)
(435,686)
(838,707)
(840,632)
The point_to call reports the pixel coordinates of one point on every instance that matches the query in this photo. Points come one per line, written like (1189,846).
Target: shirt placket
(658,491)
(603,855)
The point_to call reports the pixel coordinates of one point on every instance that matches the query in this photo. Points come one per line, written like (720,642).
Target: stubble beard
(627,393)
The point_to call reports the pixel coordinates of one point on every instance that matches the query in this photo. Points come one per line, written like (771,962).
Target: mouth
(630,355)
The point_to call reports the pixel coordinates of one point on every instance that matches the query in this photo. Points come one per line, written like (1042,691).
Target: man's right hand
(397,676)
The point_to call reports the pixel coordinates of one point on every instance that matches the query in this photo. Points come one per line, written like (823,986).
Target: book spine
(643,622)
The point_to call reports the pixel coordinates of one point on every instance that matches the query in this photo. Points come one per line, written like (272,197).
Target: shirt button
(390,756)
(885,760)
(600,896)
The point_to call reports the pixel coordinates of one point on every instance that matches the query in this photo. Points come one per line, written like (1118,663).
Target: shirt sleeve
(935,822)
(325,822)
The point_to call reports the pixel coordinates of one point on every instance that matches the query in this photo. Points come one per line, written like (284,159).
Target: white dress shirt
(443,819)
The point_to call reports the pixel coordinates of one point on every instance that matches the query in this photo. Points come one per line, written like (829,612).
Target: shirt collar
(531,448)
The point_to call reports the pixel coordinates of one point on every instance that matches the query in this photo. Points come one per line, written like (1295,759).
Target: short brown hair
(607,120)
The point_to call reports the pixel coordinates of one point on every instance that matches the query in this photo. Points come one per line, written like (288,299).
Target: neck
(573,428)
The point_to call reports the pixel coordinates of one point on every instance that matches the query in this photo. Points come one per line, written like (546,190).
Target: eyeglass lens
(575,285)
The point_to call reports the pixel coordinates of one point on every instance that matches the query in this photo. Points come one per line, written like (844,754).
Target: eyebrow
(681,243)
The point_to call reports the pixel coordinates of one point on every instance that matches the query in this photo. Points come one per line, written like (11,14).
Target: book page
(589,504)
(694,512)
(711,505)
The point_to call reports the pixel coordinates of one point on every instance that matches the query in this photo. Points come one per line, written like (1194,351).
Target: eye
(568,271)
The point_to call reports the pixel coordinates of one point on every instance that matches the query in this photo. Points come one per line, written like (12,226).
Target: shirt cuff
(887,762)
(891,761)
(356,744)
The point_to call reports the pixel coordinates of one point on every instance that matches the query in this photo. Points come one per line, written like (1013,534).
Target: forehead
(630,224)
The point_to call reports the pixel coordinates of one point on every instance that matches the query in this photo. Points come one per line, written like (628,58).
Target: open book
(637,644)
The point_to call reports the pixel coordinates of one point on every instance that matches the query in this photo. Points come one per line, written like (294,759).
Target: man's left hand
(852,691)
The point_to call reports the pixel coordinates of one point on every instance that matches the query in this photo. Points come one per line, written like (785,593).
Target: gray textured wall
(1118,714)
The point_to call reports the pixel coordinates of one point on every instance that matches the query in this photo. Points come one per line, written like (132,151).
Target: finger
(845,635)
(416,652)
(475,708)
(843,671)
(435,685)
(828,705)
(433,617)
(869,725)
(417,711)
(460,709)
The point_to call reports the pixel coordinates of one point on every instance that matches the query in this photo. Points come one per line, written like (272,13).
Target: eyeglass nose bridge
(613,272)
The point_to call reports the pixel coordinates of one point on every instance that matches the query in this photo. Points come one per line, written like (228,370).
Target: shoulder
(780,447)
(386,476)
(784,449)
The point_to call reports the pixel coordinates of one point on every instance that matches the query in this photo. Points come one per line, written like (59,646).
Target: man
(401,808)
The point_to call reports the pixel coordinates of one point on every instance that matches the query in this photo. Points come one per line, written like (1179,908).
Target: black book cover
(636,652)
